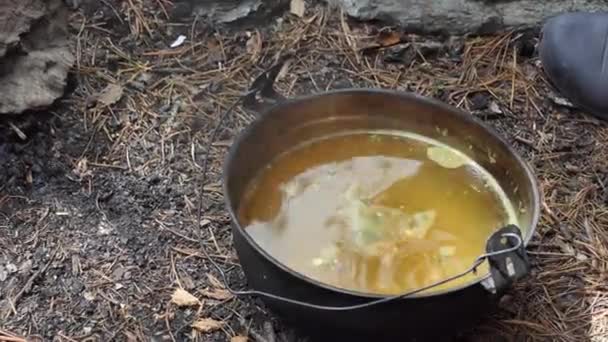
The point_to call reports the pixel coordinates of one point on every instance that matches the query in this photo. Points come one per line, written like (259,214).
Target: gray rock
(16,17)
(34,54)
(227,11)
(464,16)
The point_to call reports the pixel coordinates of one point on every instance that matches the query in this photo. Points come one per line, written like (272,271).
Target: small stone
(494,108)
(25,266)
(479,100)
(560,101)
(463,16)
(118,272)
(3,273)
(403,54)
(104,228)
(566,248)
(11,268)
(188,282)
(74,4)
(77,286)
(36,168)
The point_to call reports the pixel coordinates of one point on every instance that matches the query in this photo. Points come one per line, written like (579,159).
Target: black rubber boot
(574,53)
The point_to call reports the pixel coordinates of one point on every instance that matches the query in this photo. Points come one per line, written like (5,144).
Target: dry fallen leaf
(214,282)
(214,49)
(446,157)
(297,7)
(219,294)
(111,94)
(389,38)
(207,325)
(182,297)
(383,40)
(239,339)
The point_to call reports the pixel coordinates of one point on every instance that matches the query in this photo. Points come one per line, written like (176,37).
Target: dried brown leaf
(207,325)
(388,38)
(297,7)
(383,40)
(214,49)
(214,282)
(239,339)
(111,94)
(219,294)
(182,297)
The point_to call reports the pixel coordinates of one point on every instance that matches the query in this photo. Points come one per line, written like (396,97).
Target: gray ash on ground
(98,246)
(25,161)
(92,227)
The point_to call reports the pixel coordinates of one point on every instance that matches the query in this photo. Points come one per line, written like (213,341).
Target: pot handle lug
(507,257)
(262,95)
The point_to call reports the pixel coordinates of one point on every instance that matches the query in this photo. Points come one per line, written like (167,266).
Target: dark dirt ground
(98,206)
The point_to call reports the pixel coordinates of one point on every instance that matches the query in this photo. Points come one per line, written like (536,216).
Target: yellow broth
(376,212)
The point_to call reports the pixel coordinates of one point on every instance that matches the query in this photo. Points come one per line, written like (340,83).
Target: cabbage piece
(373,224)
(327,257)
(446,157)
(418,224)
(447,251)
(369,223)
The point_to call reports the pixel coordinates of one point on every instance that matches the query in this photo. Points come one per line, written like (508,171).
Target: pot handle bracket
(507,258)
(262,88)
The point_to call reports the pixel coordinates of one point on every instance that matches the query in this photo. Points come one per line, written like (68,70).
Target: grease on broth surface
(376,212)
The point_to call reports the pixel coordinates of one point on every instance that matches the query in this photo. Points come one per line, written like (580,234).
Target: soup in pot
(378,212)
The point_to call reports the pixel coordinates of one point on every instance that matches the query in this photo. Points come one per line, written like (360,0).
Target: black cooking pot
(329,313)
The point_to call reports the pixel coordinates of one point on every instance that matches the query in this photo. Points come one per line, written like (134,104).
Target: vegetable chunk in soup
(378,212)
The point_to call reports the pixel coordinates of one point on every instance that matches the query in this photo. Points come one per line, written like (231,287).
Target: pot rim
(462,115)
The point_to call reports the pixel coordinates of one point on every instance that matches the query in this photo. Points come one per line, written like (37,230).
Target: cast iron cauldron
(285,124)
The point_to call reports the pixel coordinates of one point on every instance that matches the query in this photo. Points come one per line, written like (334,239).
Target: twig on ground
(5,336)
